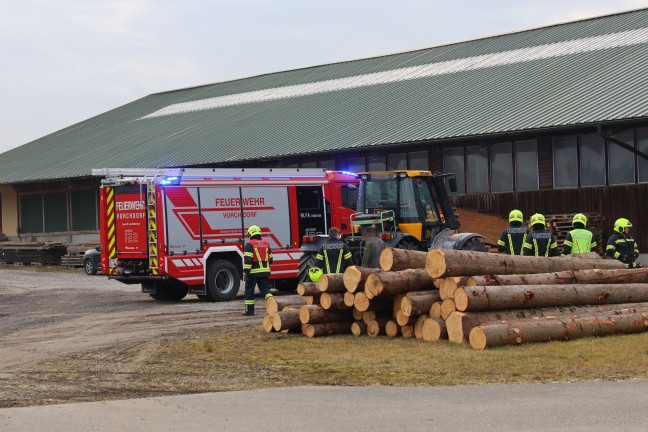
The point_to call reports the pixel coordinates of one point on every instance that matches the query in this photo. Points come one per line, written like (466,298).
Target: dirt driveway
(45,316)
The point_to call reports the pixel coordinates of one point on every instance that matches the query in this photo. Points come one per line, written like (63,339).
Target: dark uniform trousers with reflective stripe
(334,256)
(540,243)
(257,259)
(623,248)
(511,240)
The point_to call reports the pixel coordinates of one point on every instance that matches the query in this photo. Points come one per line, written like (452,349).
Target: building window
(453,162)
(526,165)
(31,213)
(397,161)
(642,145)
(419,161)
(56,212)
(377,163)
(502,167)
(356,165)
(477,169)
(592,160)
(328,164)
(565,157)
(83,204)
(621,161)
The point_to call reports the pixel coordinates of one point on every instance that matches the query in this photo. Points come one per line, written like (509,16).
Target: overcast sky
(63,61)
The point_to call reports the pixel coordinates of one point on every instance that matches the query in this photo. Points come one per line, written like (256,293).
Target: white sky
(64,61)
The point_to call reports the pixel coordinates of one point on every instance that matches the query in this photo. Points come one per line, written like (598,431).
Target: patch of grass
(250,359)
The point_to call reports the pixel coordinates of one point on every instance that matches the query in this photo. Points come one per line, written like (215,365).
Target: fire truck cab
(182,231)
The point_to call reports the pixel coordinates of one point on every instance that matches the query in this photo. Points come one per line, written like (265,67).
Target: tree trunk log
(362,303)
(401,259)
(326,329)
(368,316)
(450,284)
(419,304)
(596,276)
(358,328)
(437,282)
(331,283)
(355,277)
(398,301)
(407,331)
(267,323)
(392,329)
(460,324)
(357,315)
(418,326)
(447,307)
(556,328)
(286,320)
(276,303)
(435,310)
(479,298)
(404,320)
(434,329)
(391,283)
(333,301)
(314,314)
(377,327)
(448,262)
(308,289)
(348,299)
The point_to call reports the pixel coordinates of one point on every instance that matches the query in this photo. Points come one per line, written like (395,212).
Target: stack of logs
(481,298)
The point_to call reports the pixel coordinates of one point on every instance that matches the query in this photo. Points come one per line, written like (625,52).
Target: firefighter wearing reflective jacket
(334,255)
(512,238)
(621,245)
(579,240)
(540,241)
(257,259)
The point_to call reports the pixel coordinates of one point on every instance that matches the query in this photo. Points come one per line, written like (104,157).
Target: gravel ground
(47,316)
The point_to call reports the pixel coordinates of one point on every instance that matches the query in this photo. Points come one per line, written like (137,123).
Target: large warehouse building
(551,120)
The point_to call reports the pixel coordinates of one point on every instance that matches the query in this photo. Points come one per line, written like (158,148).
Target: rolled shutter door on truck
(221,211)
(183,222)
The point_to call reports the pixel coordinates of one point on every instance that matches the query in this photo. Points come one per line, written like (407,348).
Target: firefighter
(621,245)
(257,259)
(511,240)
(334,255)
(579,240)
(540,241)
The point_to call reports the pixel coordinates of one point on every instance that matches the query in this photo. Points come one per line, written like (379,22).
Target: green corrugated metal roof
(570,74)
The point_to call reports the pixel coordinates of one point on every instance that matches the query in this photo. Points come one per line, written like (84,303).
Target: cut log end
(349,298)
(392,329)
(447,307)
(386,260)
(358,328)
(267,323)
(361,302)
(433,329)
(435,263)
(477,339)
(454,324)
(435,310)
(461,299)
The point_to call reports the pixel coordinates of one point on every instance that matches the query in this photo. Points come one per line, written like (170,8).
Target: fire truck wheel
(223,280)
(307,262)
(170,292)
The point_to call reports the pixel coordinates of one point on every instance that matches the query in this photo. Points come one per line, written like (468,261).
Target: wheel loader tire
(306,262)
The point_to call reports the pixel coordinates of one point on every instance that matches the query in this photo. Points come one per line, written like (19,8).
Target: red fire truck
(180,231)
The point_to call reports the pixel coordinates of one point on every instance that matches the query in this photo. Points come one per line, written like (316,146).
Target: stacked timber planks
(31,253)
(471,297)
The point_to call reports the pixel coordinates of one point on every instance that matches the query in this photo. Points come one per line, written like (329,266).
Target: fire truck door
(310,210)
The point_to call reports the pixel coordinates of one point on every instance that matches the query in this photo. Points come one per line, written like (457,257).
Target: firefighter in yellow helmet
(540,241)
(621,245)
(256,266)
(512,238)
(579,240)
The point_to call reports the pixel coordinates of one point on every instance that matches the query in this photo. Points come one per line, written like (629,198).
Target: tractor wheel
(285,285)
(307,262)
(475,244)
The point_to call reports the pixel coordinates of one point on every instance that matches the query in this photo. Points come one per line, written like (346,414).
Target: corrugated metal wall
(611,201)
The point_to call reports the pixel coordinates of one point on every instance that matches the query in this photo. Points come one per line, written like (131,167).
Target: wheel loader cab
(399,200)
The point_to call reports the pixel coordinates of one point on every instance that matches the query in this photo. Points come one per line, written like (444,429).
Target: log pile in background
(470,297)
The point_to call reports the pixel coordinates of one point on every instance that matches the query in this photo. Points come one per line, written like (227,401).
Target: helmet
(253,230)
(315,273)
(621,224)
(516,216)
(580,217)
(538,219)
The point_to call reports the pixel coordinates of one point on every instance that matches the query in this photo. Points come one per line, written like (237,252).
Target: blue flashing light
(170,181)
(349,173)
